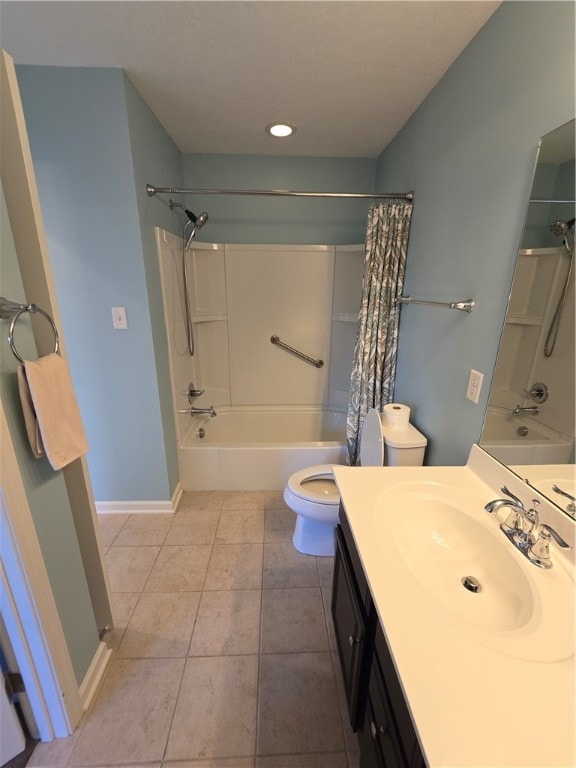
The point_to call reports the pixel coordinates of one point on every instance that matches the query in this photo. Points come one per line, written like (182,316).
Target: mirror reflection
(529,424)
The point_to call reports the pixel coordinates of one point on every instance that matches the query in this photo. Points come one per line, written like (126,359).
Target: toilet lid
(371,441)
(315,484)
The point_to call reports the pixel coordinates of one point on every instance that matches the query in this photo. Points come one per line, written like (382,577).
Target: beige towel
(30,420)
(56,410)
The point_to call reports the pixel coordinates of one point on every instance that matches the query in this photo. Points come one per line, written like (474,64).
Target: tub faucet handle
(193,393)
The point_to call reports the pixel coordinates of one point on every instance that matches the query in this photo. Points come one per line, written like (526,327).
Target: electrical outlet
(474,385)
(119,319)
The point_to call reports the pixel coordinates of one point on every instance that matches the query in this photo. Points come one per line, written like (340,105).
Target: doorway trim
(29,610)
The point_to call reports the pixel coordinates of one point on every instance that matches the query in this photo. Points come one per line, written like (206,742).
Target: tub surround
(276,413)
(477,694)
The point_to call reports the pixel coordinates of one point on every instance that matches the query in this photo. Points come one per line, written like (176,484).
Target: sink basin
(456,555)
(462,564)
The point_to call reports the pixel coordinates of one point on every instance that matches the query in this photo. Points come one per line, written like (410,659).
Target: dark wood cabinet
(353,624)
(376,704)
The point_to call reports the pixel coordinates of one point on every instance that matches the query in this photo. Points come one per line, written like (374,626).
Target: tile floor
(224,653)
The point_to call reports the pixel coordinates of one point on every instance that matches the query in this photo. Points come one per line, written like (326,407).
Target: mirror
(529,422)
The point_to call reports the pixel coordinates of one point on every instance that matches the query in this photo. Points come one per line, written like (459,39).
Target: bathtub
(258,448)
(540,445)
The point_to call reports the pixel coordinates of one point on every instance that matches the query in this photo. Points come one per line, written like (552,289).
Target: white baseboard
(140,507)
(176,496)
(94,674)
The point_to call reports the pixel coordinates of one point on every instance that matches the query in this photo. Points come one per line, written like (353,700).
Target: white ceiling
(348,73)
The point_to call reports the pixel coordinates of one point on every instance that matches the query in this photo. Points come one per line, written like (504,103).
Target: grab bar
(466,306)
(301,355)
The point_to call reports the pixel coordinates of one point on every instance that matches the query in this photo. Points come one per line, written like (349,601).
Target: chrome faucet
(533,409)
(520,522)
(198,411)
(520,527)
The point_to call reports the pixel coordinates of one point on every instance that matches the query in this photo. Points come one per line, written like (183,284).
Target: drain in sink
(471,583)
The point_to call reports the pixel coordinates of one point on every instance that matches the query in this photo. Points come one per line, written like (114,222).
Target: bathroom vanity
(376,703)
(456,650)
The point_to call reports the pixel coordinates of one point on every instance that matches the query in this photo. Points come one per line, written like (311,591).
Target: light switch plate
(119,319)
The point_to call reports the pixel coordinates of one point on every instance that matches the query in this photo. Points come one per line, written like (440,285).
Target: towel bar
(466,306)
(10,309)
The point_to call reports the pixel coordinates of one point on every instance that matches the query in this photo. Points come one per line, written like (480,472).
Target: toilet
(313,495)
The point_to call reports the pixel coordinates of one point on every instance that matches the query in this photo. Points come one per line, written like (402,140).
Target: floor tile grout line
(257,728)
(120,531)
(203,583)
(176,698)
(169,731)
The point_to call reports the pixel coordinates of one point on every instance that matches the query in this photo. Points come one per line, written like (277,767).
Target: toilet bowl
(313,495)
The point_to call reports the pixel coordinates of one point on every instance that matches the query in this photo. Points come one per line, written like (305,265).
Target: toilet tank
(403,447)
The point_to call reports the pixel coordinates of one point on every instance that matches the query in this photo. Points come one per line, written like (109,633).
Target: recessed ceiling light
(280,130)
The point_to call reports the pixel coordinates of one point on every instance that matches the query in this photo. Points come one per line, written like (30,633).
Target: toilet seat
(315,484)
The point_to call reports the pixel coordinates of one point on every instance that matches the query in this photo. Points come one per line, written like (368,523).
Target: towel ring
(33,309)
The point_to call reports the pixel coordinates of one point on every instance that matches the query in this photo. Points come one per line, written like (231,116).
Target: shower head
(196,221)
(199,221)
(560,228)
(564,229)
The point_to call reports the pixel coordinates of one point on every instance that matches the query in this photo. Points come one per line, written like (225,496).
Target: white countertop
(478,697)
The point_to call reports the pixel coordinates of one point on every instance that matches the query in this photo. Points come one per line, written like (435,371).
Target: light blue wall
(156,160)
(280,220)
(45,489)
(468,153)
(81,123)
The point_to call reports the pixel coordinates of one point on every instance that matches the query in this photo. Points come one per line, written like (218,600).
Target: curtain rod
(550,200)
(151,190)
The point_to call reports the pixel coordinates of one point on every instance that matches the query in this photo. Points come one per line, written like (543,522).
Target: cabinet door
(350,629)
(378,745)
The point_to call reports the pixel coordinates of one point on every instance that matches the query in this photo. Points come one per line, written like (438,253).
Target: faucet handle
(555,535)
(539,552)
(193,393)
(512,496)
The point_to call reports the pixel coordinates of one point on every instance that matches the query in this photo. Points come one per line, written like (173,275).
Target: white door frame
(29,610)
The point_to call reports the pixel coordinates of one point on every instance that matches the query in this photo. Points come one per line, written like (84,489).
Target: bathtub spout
(532,409)
(197,411)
